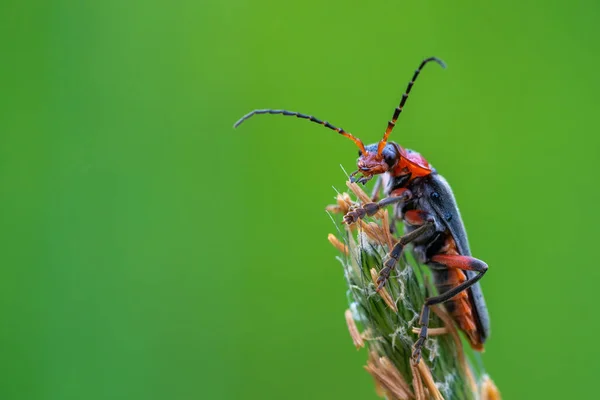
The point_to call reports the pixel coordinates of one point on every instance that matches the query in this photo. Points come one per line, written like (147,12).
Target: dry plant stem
(432,331)
(337,244)
(343,204)
(388,379)
(395,375)
(373,230)
(417,382)
(356,337)
(426,375)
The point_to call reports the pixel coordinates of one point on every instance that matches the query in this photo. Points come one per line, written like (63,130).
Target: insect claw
(353,216)
(365,179)
(384,274)
(416,355)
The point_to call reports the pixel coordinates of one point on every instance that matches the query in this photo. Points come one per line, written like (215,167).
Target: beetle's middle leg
(465,263)
(425,221)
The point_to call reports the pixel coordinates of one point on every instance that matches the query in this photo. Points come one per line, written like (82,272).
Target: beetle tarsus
(384,275)
(416,354)
(354,215)
(424,322)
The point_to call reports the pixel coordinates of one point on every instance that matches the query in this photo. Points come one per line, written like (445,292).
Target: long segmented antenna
(398,110)
(326,124)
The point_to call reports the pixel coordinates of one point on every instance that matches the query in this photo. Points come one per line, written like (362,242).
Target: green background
(149,251)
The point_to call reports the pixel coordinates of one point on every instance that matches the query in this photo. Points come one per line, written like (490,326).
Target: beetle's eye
(389,159)
(360,153)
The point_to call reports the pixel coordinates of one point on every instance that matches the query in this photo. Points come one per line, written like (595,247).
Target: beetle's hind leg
(465,263)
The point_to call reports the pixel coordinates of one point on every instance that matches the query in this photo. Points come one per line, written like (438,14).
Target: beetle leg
(449,261)
(377,189)
(413,217)
(370,209)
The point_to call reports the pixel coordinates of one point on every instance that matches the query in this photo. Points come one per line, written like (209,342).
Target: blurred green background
(149,251)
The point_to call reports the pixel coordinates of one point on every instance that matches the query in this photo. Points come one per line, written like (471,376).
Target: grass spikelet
(389,318)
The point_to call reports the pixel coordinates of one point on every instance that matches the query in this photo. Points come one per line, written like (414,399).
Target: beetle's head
(371,162)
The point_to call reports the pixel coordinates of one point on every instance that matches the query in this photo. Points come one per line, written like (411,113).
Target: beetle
(424,202)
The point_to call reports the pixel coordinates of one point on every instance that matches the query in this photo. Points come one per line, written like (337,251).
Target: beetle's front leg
(370,209)
(377,189)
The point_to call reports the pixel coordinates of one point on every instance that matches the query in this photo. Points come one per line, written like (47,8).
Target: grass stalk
(386,322)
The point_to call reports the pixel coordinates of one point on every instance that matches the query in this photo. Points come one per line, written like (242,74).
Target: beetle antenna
(398,110)
(326,124)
